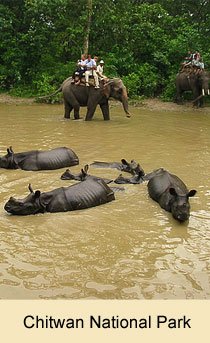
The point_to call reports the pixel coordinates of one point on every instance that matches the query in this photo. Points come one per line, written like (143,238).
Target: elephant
(195,81)
(82,176)
(171,193)
(82,195)
(76,96)
(39,160)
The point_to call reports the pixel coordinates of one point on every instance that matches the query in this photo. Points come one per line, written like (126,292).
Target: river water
(127,249)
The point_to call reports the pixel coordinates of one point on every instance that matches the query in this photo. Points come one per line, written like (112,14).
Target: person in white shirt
(100,70)
(91,70)
(81,67)
(197,60)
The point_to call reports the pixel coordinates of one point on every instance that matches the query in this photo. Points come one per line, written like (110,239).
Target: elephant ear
(106,89)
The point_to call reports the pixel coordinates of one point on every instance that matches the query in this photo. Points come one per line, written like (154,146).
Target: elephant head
(204,78)
(114,88)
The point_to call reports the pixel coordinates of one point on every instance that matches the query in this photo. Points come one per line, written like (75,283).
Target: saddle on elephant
(82,82)
(190,69)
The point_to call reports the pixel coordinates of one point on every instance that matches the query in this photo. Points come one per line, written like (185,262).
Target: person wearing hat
(100,70)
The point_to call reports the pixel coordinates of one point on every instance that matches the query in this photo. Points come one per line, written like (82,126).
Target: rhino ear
(84,173)
(37,194)
(191,193)
(124,162)
(30,188)
(9,151)
(172,191)
(86,167)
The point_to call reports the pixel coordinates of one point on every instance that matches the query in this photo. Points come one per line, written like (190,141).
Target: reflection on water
(127,249)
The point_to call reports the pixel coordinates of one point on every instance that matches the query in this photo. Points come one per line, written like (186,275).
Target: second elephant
(198,83)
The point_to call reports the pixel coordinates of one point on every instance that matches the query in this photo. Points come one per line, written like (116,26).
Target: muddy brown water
(127,249)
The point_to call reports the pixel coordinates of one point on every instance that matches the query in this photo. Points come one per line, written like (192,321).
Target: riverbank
(153,104)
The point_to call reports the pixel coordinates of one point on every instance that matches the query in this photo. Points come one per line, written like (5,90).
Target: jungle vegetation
(141,41)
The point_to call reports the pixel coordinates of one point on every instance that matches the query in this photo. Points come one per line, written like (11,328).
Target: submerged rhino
(134,179)
(82,195)
(39,160)
(82,176)
(138,178)
(132,167)
(171,193)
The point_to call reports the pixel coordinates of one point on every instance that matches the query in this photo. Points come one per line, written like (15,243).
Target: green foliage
(169,91)
(43,84)
(143,42)
(144,81)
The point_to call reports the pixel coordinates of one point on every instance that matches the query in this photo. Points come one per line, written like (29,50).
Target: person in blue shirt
(91,66)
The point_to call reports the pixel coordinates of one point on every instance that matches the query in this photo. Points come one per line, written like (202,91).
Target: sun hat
(101,62)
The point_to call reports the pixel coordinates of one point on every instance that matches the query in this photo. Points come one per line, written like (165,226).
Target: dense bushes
(141,41)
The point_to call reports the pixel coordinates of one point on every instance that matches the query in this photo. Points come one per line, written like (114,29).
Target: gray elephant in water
(197,82)
(80,95)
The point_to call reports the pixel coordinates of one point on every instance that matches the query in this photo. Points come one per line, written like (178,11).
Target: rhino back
(27,160)
(55,201)
(161,183)
(88,193)
(158,185)
(56,158)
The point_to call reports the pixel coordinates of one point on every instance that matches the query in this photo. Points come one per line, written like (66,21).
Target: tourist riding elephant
(197,82)
(81,95)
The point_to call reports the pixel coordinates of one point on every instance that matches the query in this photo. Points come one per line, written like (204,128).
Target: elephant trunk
(125,102)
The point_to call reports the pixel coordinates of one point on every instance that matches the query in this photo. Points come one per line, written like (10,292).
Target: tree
(141,41)
(88,26)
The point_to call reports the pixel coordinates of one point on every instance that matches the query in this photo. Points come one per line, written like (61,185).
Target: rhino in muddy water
(171,193)
(132,167)
(39,160)
(82,176)
(82,195)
